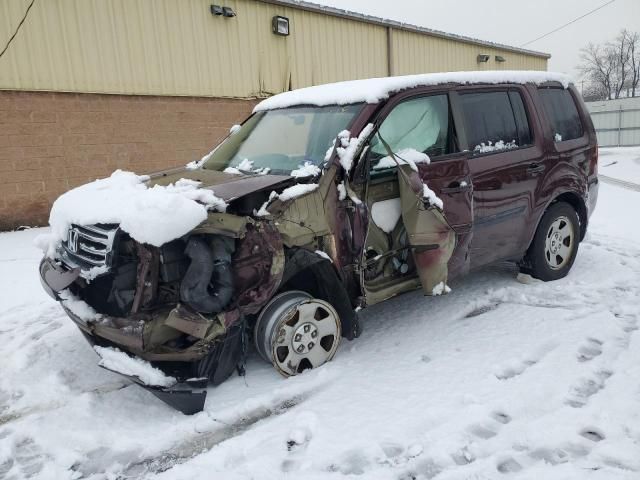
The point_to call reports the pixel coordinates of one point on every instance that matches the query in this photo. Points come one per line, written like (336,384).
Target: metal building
(88,86)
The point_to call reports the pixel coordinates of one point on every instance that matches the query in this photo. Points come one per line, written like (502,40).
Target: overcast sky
(513,22)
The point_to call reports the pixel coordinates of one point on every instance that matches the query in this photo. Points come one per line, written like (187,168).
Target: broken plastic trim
(187,397)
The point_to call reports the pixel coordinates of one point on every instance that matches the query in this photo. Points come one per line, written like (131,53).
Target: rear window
(562,112)
(490,122)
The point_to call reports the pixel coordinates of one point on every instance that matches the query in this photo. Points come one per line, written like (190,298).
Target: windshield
(279,141)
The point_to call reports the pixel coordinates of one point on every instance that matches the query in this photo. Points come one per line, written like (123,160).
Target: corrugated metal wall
(617,122)
(171,47)
(416,53)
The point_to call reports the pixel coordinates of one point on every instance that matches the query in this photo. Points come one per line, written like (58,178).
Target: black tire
(553,251)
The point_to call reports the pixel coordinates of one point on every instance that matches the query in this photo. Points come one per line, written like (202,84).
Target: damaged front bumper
(144,333)
(186,396)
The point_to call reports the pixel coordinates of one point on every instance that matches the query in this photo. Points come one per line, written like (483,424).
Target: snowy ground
(622,165)
(497,380)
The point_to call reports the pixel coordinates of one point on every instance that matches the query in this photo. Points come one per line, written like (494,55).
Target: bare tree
(597,67)
(612,67)
(619,51)
(633,40)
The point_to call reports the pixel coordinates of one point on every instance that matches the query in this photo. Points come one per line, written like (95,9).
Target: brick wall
(51,142)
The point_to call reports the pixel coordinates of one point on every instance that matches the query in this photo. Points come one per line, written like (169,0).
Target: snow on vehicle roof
(372,90)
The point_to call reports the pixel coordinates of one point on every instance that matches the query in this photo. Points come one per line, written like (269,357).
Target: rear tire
(555,244)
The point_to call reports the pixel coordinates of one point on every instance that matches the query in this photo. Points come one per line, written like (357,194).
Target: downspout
(390,70)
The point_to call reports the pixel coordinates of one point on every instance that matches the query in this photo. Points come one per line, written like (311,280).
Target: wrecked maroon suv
(326,200)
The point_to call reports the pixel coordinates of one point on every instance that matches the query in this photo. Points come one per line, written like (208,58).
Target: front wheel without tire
(296,332)
(555,243)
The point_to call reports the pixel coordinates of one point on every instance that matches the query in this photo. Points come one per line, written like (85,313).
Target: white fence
(617,122)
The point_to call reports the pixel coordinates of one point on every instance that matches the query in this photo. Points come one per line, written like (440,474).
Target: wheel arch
(572,198)
(578,204)
(307,271)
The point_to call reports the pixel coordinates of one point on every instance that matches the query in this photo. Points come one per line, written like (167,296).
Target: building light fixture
(280,25)
(220,11)
(483,58)
(500,58)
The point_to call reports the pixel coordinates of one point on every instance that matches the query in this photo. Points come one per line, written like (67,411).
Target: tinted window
(489,119)
(522,123)
(562,113)
(421,124)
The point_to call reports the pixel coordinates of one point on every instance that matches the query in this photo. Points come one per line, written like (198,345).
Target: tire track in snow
(620,183)
(189,447)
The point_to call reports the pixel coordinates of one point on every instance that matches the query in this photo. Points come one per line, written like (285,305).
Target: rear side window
(562,113)
(490,121)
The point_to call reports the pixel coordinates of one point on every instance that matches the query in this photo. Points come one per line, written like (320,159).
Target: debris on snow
(527,279)
(153,215)
(386,213)
(440,289)
(406,156)
(118,361)
(491,147)
(373,90)
(306,170)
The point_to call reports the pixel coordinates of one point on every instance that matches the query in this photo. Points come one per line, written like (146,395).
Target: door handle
(457,187)
(535,169)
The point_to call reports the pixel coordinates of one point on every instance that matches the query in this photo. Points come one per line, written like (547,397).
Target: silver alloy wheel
(558,244)
(296,332)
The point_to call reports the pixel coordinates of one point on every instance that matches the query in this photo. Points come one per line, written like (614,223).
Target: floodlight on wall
(216,10)
(280,25)
(228,12)
(500,59)
(483,58)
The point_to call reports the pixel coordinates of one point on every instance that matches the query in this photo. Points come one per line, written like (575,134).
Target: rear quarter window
(562,113)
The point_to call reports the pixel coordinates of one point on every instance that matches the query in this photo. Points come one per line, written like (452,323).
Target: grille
(89,245)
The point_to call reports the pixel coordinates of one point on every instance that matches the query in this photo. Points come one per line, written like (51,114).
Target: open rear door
(439,238)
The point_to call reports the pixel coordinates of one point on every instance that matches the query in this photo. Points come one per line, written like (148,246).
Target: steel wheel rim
(296,332)
(558,244)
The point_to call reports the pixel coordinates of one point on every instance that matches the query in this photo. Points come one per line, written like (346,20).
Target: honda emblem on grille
(72,241)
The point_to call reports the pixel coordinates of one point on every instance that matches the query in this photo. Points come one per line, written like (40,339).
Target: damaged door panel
(431,238)
(450,179)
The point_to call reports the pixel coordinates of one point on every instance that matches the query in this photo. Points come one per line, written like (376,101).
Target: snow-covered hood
(151,209)
(226,186)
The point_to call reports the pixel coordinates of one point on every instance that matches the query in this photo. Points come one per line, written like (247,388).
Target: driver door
(409,244)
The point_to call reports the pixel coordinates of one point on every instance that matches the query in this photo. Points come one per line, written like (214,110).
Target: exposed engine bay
(181,306)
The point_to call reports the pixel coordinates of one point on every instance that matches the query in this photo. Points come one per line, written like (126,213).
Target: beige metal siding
(416,53)
(176,47)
